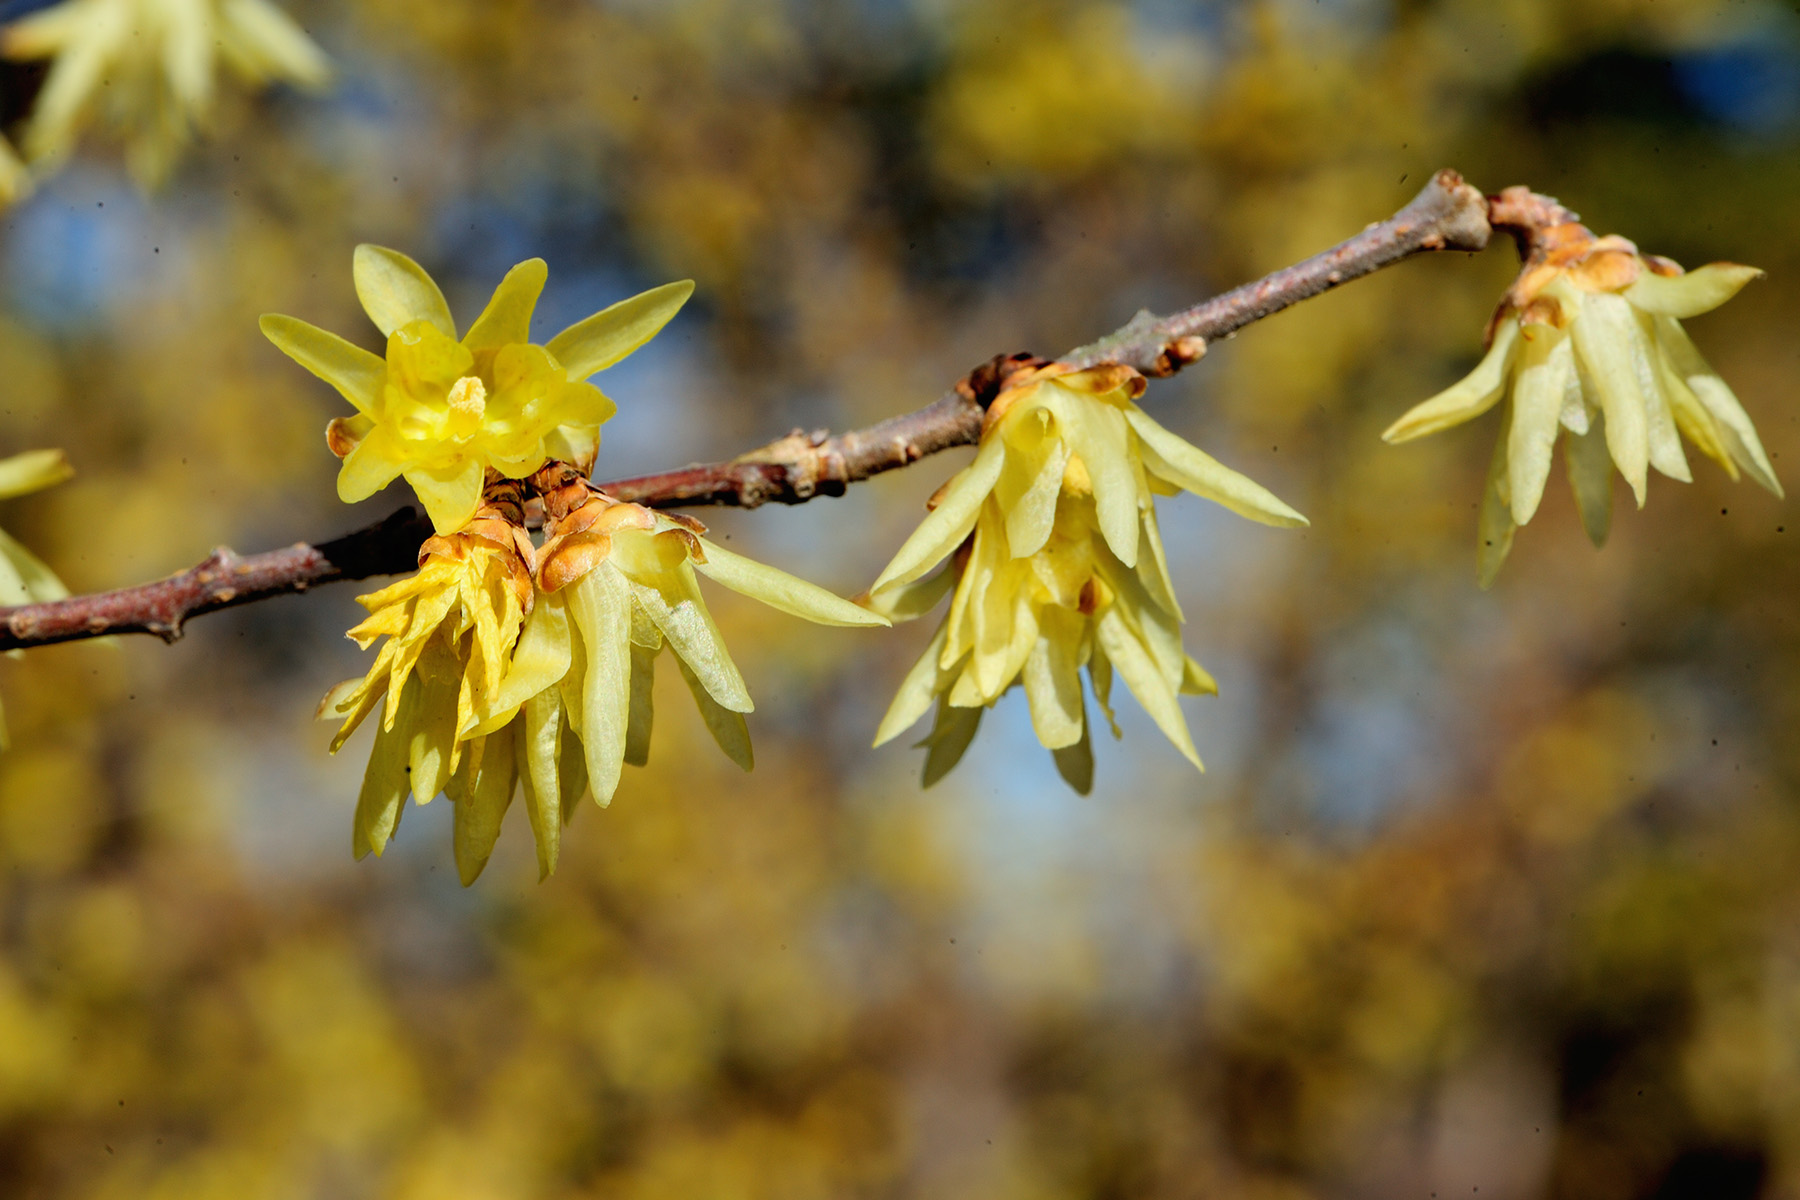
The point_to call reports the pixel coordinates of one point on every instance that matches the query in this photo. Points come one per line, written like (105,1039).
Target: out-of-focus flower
(618,585)
(15,176)
(144,70)
(1055,563)
(1589,340)
(443,412)
(450,632)
(24,579)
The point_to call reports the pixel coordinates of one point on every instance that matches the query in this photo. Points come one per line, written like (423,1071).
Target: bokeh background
(1489,895)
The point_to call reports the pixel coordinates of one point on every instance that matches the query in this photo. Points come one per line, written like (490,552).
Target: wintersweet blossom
(450,631)
(145,69)
(617,585)
(24,579)
(1589,341)
(443,412)
(1048,546)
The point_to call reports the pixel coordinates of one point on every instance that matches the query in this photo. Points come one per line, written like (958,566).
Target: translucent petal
(1717,398)
(1186,465)
(1197,681)
(916,692)
(643,706)
(1546,364)
(539,661)
(727,727)
(1146,682)
(33,471)
(684,620)
(1075,763)
(73,79)
(431,749)
(949,739)
(609,335)
(507,318)
(187,55)
(1030,478)
(910,601)
(572,768)
(1099,435)
(1700,290)
(353,371)
(1494,527)
(779,590)
(944,528)
(450,493)
(385,783)
(1590,477)
(539,747)
(1466,399)
(1052,684)
(482,792)
(1604,333)
(395,290)
(600,602)
(1666,454)
(39,583)
(268,41)
(12,587)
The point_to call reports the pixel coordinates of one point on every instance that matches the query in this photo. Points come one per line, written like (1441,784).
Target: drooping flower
(24,579)
(450,631)
(443,412)
(144,70)
(1589,341)
(1055,563)
(617,585)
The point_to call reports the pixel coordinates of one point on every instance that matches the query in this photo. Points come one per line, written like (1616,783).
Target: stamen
(468,397)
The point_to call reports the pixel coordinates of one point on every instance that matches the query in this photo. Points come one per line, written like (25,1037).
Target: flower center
(468,397)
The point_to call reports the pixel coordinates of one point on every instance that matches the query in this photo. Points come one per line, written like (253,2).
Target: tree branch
(1447,215)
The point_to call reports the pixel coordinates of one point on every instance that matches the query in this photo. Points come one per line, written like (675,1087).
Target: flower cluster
(1048,546)
(1589,341)
(507,666)
(24,579)
(144,70)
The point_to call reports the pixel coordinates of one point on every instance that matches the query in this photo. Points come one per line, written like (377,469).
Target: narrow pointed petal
(909,601)
(33,471)
(431,749)
(395,290)
(916,692)
(540,659)
(601,605)
(450,493)
(1075,763)
(1146,682)
(779,590)
(1100,436)
(38,583)
(74,77)
(1052,686)
(1590,477)
(1695,423)
(507,318)
(1603,333)
(539,750)
(1494,528)
(1473,395)
(950,737)
(611,334)
(727,727)
(481,801)
(1666,454)
(1031,478)
(571,768)
(1547,363)
(353,371)
(1196,680)
(1187,466)
(278,48)
(385,783)
(683,619)
(1699,291)
(643,705)
(1719,400)
(944,528)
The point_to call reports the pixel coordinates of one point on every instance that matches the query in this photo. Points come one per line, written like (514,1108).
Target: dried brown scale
(1447,214)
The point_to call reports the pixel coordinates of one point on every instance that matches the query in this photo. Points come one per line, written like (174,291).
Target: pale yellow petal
(1718,399)
(1031,477)
(779,590)
(916,692)
(385,782)
(643,704)
(672,600)
(1147,683)
(369,467)
(1590,476)
(600,603)
(482,792)
(1075,763)
(1100,436)
(539,661)
(1494,527)
(507,318)
(945,526)
(1466,399)
(950,737)
(1699,291)
(266,41)
(71,85)
(609,335)
(1603,333)
(909,601)
(1189,467)
(395,291)
(353,371)
(540,751)
(1546,365)
(1052,684)
(727,727)
(450,494)
(33,471)
(431,748)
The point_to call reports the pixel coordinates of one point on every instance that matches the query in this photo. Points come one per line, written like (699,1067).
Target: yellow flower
(144,69)
(450,632)
(1056,564)
(443,412)
(24,579)
(617,586)
(1589,340)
